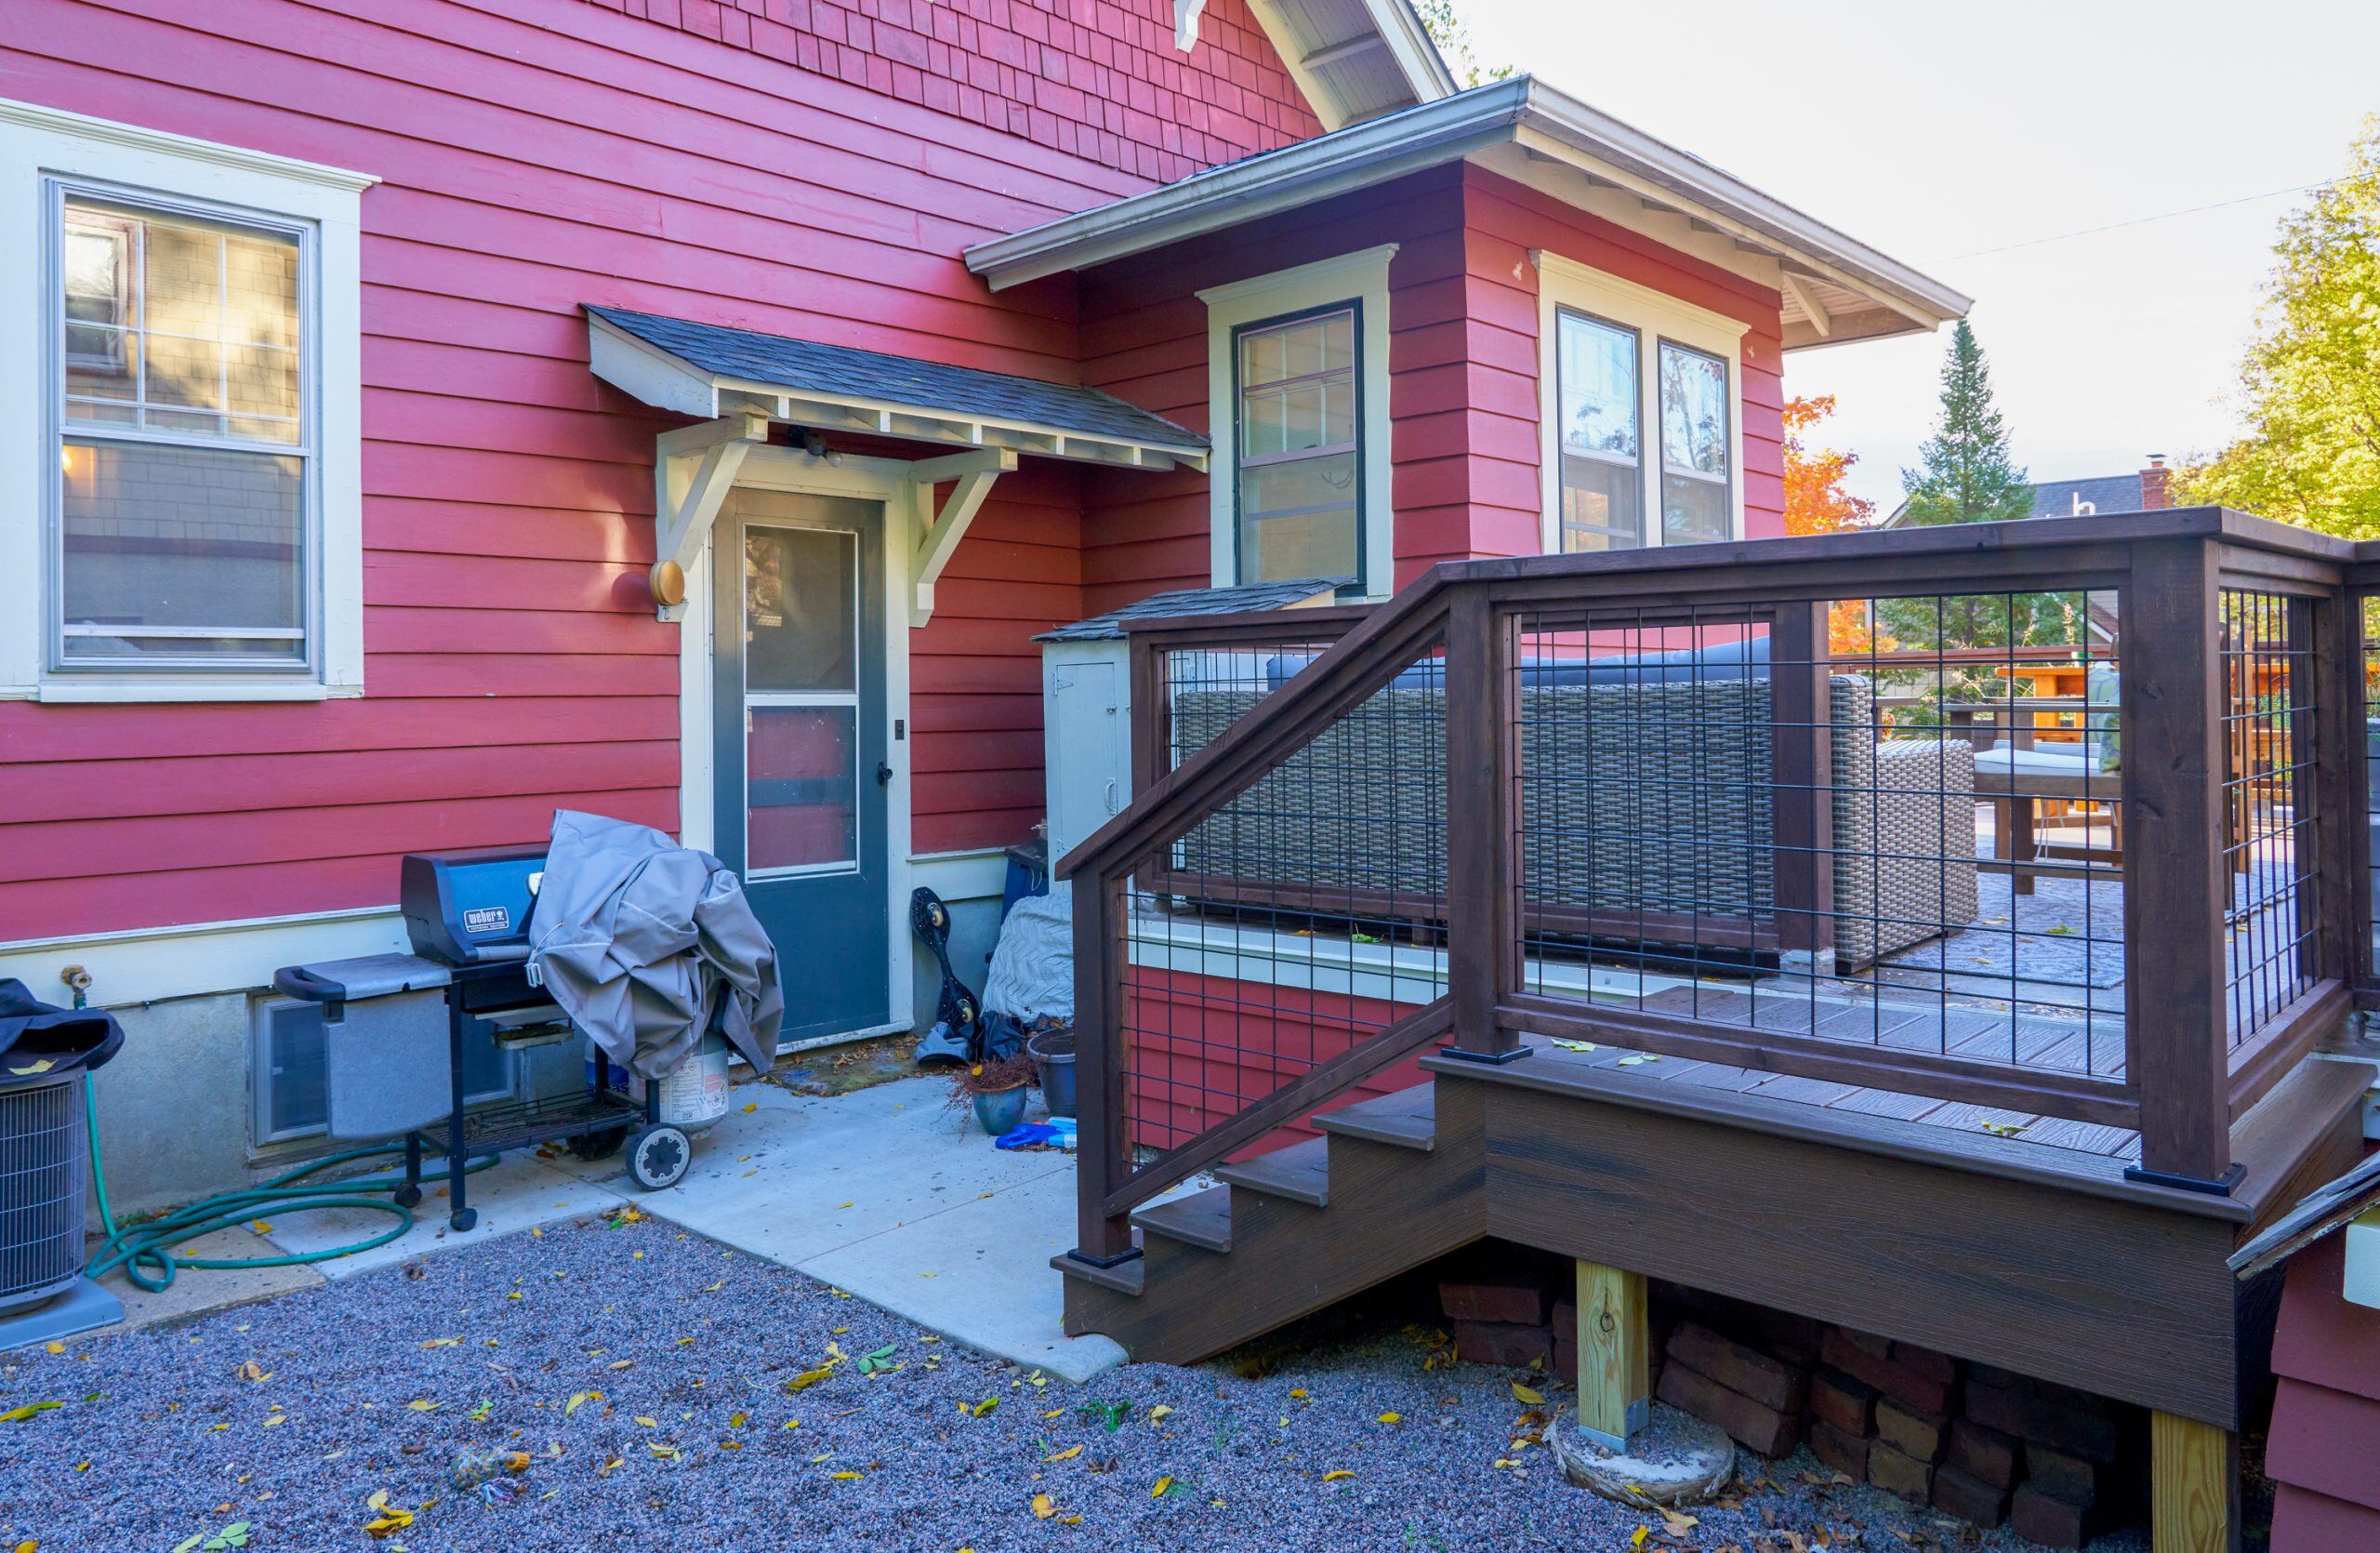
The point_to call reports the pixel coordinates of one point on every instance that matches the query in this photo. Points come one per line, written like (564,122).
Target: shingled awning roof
(710,370)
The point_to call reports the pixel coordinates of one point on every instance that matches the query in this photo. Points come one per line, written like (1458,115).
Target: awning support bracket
(970,476)
(692,470)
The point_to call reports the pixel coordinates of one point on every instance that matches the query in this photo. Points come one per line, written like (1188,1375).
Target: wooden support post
(2177,885)
(1104,1130)
(1483,824)
(2194,1485)
(1615,1358)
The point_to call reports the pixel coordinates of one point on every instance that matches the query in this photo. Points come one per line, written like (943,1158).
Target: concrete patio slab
(520,1192)
(891,1196)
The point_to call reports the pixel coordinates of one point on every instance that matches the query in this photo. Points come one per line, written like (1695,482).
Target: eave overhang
(1834,287)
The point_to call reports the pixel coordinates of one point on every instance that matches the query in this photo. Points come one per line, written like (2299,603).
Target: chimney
(2154,493)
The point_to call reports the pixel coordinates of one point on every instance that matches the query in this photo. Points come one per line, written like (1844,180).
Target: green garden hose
(140,1250)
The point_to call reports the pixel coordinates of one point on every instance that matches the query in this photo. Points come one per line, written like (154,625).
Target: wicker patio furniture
(1646,811)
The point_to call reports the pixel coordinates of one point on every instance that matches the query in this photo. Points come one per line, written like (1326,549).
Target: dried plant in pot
(997,1087)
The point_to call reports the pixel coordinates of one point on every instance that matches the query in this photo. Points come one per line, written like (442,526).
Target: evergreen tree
(1968,476)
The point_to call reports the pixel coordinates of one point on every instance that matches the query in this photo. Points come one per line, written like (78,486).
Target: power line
(2137,222)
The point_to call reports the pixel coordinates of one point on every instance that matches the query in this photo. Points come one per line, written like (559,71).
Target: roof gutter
(1448,130)
(1256,186)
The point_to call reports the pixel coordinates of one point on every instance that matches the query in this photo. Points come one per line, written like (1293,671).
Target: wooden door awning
(740,382)
(705,370)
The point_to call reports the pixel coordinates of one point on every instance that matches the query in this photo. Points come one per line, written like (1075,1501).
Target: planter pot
(1002,1113)
(1053,1054)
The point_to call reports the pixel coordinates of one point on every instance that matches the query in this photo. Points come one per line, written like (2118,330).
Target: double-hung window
(1301,476)
(1297,403)
(1641,404)
(182,518)
(182,536)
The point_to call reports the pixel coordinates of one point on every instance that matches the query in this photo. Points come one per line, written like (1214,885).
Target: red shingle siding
(2325,1434)
(1092,78)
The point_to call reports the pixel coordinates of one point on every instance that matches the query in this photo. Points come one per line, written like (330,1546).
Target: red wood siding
(2325,1433)
(1462,366)
(537,154)
(1091,78)
(1508,221)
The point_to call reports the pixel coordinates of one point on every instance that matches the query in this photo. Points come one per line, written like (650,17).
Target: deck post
(1615,1356)
(1103,1158)
(2194,1486)
(1482,826)
(2176,880)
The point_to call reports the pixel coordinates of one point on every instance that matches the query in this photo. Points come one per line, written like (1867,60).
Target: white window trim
(1655,315)
(38,144)
(1360,277)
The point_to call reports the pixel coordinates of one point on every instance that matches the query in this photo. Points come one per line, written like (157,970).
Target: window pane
(1600,506)
(1598,388)
(179,325)
(800,787)
(1298,519)
(1694,410)
(801,609)
(1694,509)
(182,552)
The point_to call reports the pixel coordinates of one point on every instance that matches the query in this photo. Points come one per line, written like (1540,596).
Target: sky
(1935,132)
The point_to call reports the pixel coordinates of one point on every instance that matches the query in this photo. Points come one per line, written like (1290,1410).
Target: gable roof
(680,364)
(1835,288)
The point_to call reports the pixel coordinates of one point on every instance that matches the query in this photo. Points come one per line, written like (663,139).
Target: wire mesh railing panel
(2272,919)
(1298,919)
(1891,822)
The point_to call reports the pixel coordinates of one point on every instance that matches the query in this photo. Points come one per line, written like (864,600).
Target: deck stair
(1287,1232)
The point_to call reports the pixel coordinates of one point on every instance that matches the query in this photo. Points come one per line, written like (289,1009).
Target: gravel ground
(291,1415)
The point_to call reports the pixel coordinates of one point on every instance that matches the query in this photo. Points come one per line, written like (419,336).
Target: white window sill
(135,692)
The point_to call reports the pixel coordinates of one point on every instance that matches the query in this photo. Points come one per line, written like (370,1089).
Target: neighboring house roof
(1835,288)
(1247,598)
(1354,60)
(2068,499)
(679,364)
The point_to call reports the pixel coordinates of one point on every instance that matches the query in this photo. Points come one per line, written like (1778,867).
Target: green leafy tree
(1445,30)
(2310,382)
(1967,476)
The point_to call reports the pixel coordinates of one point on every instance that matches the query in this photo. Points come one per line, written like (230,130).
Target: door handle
(883,773)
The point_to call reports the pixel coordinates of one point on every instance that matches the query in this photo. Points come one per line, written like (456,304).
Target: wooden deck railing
(1649,799)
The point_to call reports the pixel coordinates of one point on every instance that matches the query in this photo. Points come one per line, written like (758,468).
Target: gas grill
(467,914)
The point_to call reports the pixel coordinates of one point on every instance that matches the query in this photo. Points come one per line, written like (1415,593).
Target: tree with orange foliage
(1817,503)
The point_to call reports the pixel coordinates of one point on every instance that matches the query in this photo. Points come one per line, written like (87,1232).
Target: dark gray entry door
(799,756)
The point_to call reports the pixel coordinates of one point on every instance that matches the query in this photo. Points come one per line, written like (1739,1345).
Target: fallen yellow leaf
(578,1399)
(985,1406)
(442,1342)
(1298,1395)
(1069,1453)
(750,1107)
(1527,1394)
(1163,1484)
(1043,1507)
(1392,1418)
(1638,1540)
(53,1347)
(647,1422)
(844,1476)
(423,1404)
(809,1378)
(1334,1475)
(1159,1411)
(389,1522)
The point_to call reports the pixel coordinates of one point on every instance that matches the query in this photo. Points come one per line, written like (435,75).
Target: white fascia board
(1425,69)
(647,374)
(1521,109)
